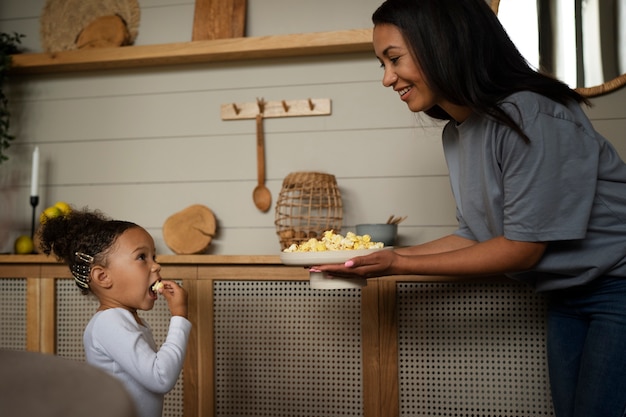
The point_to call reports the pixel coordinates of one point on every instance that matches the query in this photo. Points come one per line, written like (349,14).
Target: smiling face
(404,75)
(130,272)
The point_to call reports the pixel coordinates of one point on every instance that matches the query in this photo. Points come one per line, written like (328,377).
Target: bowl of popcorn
(332,248)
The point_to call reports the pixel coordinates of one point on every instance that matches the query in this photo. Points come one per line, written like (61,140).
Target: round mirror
(563,37)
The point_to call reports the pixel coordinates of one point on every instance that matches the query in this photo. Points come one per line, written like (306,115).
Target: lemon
(64,207)
(50,213)
(24,245)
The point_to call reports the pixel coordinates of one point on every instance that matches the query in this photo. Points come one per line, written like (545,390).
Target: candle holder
(34,201)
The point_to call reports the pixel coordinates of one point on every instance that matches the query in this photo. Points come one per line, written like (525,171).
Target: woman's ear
(100,277)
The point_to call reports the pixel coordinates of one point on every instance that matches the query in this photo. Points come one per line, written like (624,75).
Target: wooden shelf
(220,50)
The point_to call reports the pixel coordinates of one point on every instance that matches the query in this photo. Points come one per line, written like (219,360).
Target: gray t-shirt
(567,187)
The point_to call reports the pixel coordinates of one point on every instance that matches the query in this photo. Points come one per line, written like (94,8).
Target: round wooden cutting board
(190,231)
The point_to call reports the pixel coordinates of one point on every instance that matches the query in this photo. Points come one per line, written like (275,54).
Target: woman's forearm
(444,244)
(495,256)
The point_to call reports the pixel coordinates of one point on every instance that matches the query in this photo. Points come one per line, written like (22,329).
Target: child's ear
(100,277)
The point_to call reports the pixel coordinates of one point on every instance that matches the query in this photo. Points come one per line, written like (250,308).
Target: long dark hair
(466,56)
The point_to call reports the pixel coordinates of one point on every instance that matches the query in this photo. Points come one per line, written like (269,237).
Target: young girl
(540,195)
(115,260)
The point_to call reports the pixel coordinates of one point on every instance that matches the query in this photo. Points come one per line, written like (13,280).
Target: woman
(540,195)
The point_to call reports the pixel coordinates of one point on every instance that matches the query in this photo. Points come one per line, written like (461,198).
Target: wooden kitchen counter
(165,259)
(251,315)
(187,267)
(197,267)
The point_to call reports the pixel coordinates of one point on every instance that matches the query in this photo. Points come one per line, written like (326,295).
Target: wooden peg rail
(270,109)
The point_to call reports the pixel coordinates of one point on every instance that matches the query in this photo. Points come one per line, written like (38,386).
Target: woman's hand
(376,264)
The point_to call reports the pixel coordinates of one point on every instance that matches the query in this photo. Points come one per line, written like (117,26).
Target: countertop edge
(162,259)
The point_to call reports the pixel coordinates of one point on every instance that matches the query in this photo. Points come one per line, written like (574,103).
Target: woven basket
(62,20)
(309,204)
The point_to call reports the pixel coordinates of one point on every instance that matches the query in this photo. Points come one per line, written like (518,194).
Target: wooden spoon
(261,195)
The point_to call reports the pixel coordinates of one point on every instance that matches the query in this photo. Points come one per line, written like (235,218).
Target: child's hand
(176,298)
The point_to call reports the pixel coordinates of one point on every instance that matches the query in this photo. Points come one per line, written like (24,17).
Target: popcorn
(332,241)
(157,286)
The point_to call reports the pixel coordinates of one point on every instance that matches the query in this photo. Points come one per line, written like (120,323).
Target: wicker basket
(62,20)
(309,204)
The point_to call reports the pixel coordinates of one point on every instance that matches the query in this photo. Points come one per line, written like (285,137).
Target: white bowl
(321,281)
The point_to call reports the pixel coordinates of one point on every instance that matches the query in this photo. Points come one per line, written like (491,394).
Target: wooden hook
(275,108)
(261,103)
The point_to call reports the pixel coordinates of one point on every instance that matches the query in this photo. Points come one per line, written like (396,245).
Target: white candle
(34,188)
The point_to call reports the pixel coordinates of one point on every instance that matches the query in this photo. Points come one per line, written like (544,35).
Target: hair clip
(84,257)
(81,270)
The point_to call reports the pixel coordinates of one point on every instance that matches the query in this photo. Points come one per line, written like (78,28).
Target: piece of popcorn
(157,286)
(332,241)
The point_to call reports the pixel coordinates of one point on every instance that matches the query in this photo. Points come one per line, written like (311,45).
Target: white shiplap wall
(142,144)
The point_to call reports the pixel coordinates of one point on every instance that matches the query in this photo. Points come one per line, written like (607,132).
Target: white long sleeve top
(116,343)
